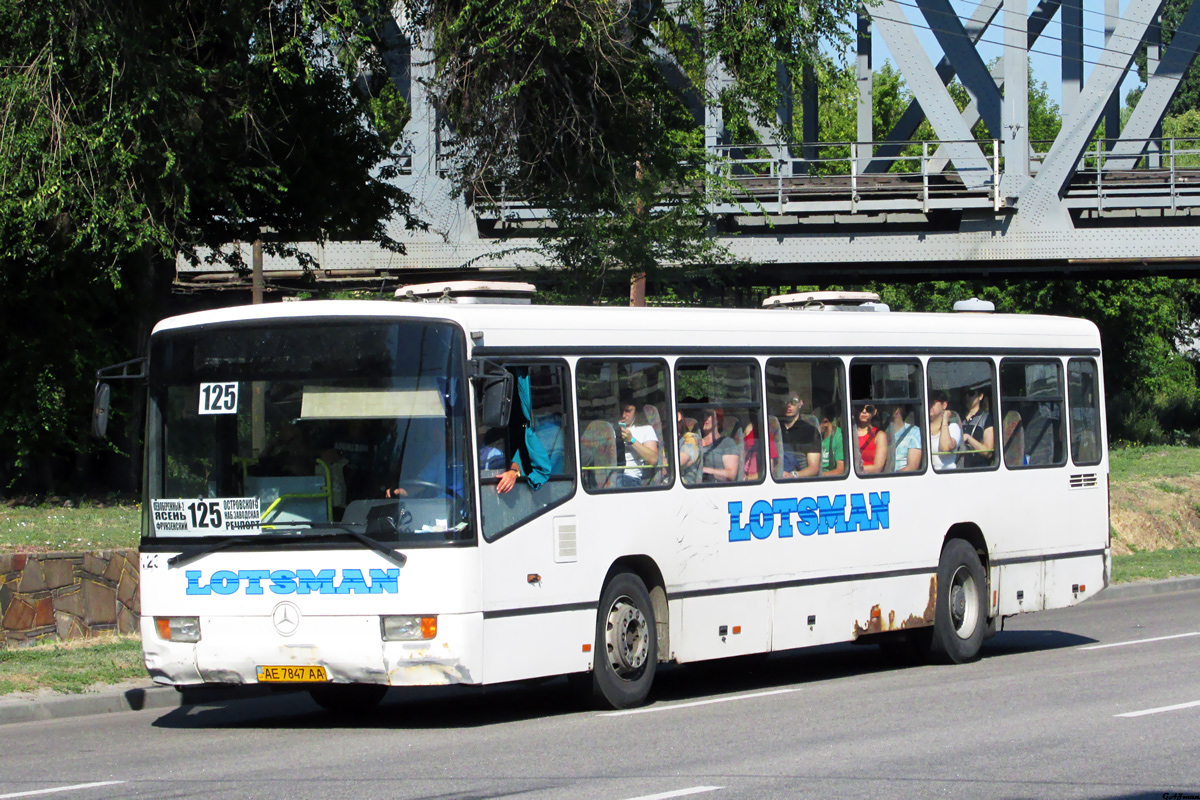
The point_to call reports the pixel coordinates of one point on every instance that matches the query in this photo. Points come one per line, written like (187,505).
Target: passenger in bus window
(945,433)
(833,448)
(801,441)
(719,458)
(872,442)
(639,442)
(907,448)
(689,449)
(750,451)
(979,430)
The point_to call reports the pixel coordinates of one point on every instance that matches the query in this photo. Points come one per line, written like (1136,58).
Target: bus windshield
(280,427)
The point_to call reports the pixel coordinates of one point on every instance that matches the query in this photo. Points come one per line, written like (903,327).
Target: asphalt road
(1100,701)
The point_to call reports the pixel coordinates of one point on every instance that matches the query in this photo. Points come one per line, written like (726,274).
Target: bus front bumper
(349,649)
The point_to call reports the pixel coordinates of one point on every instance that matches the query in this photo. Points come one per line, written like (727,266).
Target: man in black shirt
(801,441)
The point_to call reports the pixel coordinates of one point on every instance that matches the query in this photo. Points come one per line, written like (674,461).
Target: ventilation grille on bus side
(566,548)
(1084,480)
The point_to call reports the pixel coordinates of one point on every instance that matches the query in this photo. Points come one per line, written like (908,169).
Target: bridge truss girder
(1026,213)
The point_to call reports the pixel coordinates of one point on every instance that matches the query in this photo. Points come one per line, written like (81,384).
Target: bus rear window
(1031,401)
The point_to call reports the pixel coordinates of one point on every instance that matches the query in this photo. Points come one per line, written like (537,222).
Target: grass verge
(72,666)
(94,525)
(1156,565)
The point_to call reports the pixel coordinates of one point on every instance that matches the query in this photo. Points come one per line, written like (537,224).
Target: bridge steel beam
(1039,204)
(1160,87)
(929,89)
(898,138)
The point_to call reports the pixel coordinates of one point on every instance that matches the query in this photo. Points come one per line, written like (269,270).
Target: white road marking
(72,788)
(653,709)
(1160,709)
(678,793)
(1140,641)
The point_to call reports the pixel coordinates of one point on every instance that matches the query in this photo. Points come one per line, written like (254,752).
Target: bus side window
(538,439)
(624,443)
(1083,396)
(1031,398)
(964,433)
(806,418)
(720,422)
(889,418)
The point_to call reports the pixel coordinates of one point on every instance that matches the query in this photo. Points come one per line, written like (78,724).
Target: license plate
(292,674)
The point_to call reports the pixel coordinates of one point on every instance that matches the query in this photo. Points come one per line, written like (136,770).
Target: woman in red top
(872,442)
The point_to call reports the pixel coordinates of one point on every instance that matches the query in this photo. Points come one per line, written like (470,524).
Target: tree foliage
(135,130)
(1187,95)
(595,109)
(1147,328)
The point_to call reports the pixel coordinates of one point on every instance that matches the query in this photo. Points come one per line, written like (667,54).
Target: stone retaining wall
(58,596)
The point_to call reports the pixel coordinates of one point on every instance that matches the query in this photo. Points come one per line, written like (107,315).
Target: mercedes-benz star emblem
(286,617)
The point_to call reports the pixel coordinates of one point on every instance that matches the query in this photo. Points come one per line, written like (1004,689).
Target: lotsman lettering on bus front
(301,581)
(810,515)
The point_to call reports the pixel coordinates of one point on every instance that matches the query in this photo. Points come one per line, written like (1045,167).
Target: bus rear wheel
(626,651)
(960,620)
(348,699)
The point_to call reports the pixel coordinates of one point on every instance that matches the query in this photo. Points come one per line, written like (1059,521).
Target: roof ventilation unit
(827,301)
(469,292)
(975,306)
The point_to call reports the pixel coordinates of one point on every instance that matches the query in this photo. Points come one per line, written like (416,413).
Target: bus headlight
(401,628)
(178,629)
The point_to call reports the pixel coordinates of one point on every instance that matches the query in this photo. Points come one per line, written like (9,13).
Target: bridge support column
(1015,127)
(865,129)
(1072,55)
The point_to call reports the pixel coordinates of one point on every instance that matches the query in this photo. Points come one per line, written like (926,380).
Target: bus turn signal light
(405,628)
(178,629)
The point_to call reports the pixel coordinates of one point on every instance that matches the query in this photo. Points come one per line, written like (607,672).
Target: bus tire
(626,651)
(348,699)
(960,619)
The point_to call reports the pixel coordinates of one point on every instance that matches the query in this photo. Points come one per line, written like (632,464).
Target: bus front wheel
(961,617)
(626,651)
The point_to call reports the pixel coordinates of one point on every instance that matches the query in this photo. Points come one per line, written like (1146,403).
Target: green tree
(136,130)
(594,109)
(1187,95)
(1147,326)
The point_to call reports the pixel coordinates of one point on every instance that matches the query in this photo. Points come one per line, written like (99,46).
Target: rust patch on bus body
(875,619)
(926,619)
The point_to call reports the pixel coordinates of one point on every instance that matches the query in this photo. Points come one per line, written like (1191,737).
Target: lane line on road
(72,788)
(1160,709)
(1140,641)
(678,793)
(653,709)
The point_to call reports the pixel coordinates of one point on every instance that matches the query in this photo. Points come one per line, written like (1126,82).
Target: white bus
(325,508)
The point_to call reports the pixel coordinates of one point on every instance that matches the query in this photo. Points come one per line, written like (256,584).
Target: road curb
(111,700)
(1131,591)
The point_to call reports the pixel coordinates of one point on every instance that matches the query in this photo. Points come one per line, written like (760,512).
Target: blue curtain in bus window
(535,461)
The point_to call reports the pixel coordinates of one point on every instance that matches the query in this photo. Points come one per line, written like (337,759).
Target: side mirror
(100,410)
(134,369)
(496,386)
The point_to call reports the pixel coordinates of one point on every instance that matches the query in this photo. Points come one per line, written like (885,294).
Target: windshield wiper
(322,528)
(318,529)
(203,550)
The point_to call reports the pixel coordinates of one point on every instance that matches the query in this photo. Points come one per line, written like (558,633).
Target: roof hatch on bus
(469,292)
(827,301)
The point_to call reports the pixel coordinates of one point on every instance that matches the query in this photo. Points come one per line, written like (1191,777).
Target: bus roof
(564,329)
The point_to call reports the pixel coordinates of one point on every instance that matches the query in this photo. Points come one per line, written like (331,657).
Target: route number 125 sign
(218,398)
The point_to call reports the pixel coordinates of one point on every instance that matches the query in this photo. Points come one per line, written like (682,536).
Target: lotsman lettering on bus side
(810,515)
(286,581)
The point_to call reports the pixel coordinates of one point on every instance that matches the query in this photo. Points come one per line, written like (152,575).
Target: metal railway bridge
(884,206)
